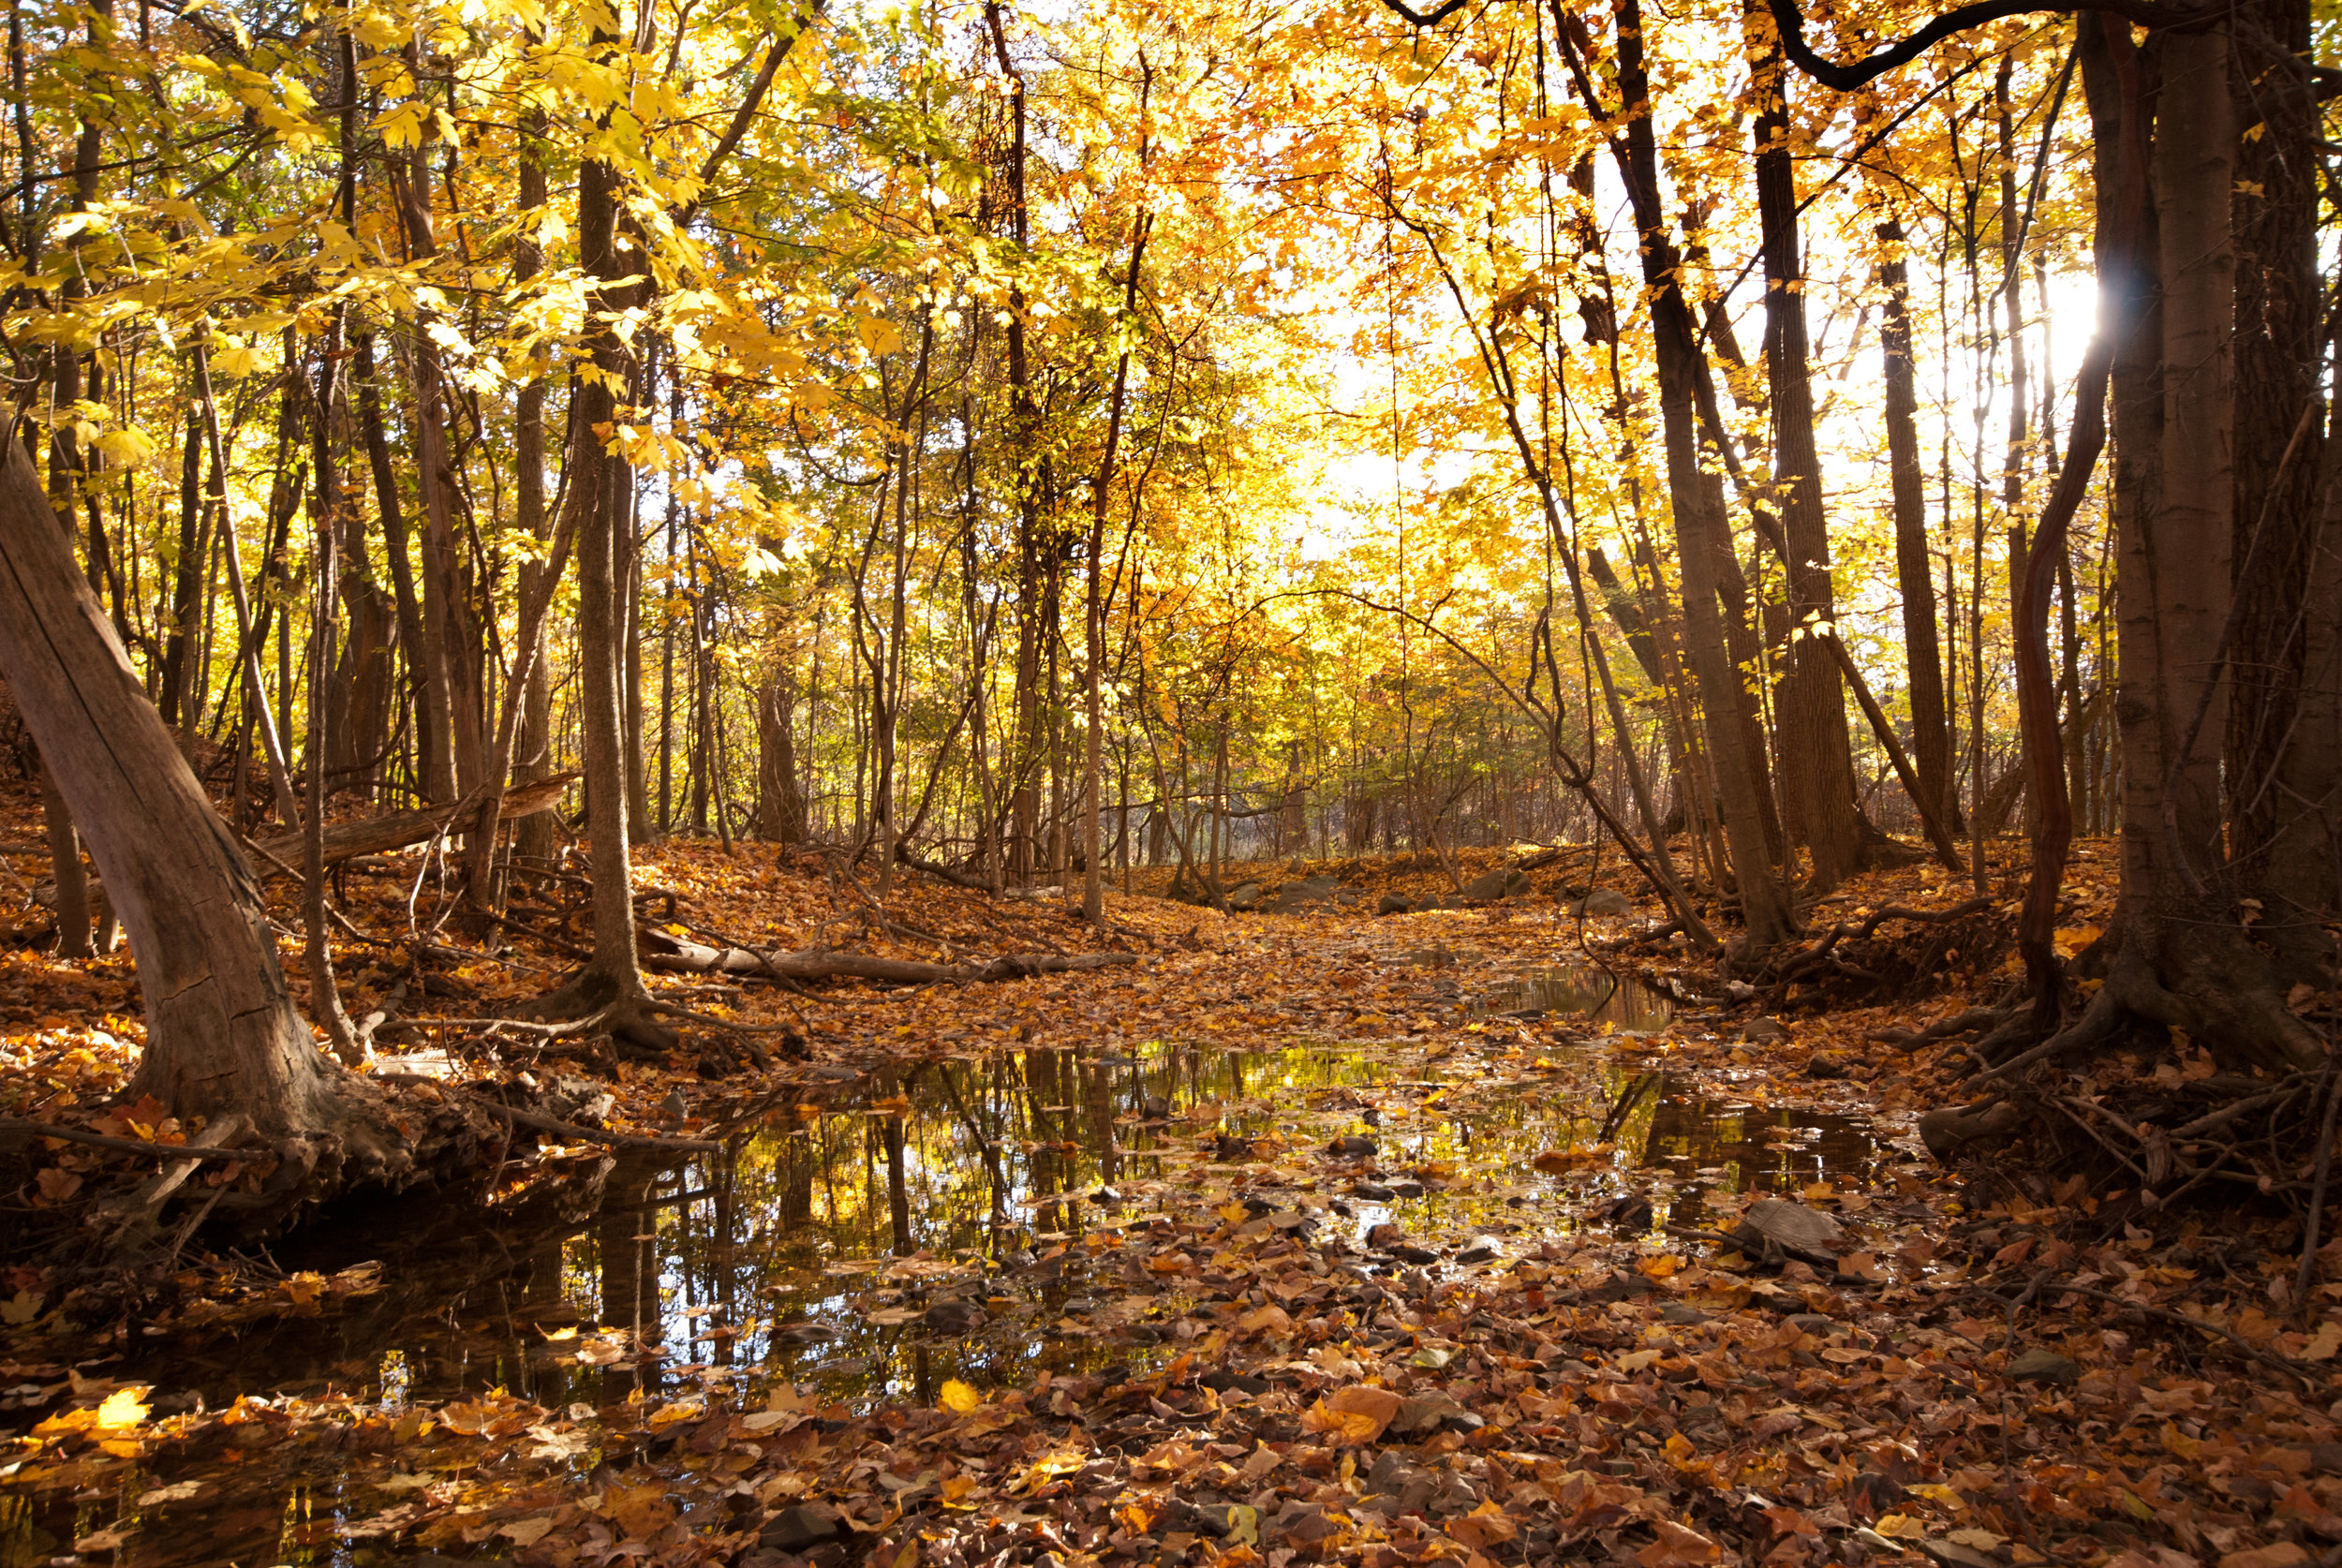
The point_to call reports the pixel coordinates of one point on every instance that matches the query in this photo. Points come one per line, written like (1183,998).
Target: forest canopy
(1034,446)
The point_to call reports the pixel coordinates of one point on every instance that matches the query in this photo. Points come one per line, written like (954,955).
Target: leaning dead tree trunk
(375,835)
(693,958)
(223,1037)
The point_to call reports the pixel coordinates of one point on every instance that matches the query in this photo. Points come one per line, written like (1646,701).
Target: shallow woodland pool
(868,1239)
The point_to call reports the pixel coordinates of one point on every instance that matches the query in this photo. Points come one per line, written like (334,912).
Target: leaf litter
(1309,1240)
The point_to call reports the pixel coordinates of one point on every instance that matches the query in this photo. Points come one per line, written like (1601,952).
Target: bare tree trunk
(427,700)
(1818,773)
(781,804)
(533,836)
(222,1035)
(2284,739)
(1931,720)
(599,483)
(1703,538)
(1093,607)
(65,870)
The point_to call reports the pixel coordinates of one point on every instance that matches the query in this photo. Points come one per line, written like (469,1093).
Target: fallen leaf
(1677,1547)
(124,1408)
(2284,1554)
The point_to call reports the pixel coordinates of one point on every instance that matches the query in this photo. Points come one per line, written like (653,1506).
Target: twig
(124,1146)
(2244,1346)
(2318,1191)
(543,1123)
(2057,1103)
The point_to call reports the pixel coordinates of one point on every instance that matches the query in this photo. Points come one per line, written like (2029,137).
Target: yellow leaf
(2073,938)
(957,1398)
(1901,1527)
(236,358)
(123,1409)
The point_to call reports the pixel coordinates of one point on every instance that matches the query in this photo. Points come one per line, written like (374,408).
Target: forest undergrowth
(1567,1348)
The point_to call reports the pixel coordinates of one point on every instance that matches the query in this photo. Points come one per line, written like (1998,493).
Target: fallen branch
(939,872)
(120,1145)
(692,958)
(371,835)
(539,1121)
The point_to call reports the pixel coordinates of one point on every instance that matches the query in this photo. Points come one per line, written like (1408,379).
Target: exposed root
(354,1138)
(597,1001)
(1851,966)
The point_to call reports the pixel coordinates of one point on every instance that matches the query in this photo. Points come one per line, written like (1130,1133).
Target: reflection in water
(1626,1004)
(931,1223)
(937,1222)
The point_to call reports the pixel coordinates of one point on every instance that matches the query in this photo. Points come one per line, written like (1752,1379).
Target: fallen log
(667,952)
(939,872)
(374,836)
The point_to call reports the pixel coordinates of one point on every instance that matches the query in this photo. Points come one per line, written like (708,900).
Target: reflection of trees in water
(624,1237)
(1688,1130)
(992,1155)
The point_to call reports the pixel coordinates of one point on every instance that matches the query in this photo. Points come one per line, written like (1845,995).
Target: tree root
(541,1122)
(596,1004)
(1889,970)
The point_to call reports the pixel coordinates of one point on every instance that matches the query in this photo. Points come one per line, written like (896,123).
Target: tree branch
(1846,78)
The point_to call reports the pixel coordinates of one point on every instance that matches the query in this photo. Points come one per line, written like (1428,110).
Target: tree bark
(2192,962)
(222,1034)
(1818,773)
(599,485)
(2283,741)
(781,804)
(1703,538)
(427,701)
(1931,713)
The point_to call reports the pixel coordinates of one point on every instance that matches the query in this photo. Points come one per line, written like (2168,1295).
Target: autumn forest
(803,781)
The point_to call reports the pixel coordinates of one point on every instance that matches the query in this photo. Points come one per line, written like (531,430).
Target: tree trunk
(427,708)
(222,1034)
(2284,739)
(1703,538)
(600,487)
(64,861)
(1818,771)
(1915,574)
(2193,963)
(781,804)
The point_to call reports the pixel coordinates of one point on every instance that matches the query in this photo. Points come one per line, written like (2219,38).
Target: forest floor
(1482,1236)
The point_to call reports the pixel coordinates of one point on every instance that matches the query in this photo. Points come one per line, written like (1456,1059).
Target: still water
(876,1237)
(866,1240)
